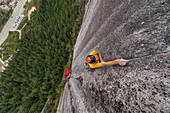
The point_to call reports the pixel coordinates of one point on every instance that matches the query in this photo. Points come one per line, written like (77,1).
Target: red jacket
(67,72)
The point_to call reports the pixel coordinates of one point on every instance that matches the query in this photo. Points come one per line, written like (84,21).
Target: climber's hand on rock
(123,62)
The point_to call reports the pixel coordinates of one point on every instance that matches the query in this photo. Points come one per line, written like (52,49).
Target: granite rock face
(138,30)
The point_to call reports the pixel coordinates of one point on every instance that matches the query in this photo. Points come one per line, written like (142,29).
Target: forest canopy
(4,15)
(36,70)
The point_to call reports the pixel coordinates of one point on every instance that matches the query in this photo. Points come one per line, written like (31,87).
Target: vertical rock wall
(134,29)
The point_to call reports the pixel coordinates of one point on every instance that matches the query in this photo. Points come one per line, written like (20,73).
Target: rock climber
(94,60)
(67,74)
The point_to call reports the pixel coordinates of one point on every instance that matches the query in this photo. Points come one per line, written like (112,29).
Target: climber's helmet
(90,59)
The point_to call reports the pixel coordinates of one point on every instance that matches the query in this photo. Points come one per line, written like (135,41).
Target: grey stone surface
(67,101)
(132,29)
(79,100)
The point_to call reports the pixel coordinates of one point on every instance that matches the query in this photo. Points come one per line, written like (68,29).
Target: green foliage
(28,6)
(35,71)
(4,15)
(9,46)
(24,20)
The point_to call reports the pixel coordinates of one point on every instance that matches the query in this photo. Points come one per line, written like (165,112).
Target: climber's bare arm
(99,54)
(121,62)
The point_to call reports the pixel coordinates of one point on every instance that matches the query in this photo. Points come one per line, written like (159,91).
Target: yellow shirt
(97,63)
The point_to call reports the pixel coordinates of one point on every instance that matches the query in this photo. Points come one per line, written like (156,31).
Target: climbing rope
(88,69)
(79,73)
(144,56)
(130,59)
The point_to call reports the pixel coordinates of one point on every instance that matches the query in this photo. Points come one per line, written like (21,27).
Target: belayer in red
(67,74)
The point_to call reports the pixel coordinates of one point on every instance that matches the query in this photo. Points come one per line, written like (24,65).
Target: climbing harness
(86,65)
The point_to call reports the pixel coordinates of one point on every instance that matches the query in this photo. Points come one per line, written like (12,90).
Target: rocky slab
(138,30)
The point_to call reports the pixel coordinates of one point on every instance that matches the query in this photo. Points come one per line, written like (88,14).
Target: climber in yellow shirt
(93,61)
